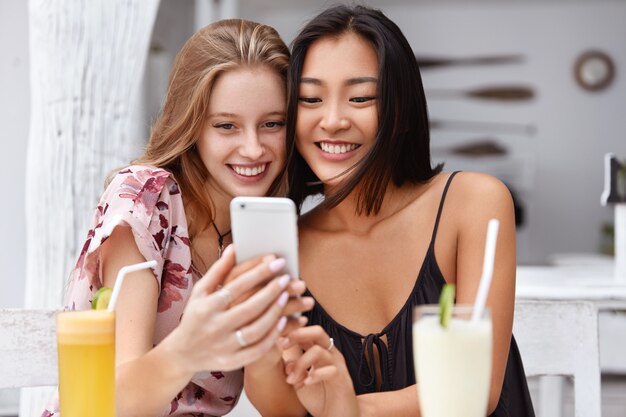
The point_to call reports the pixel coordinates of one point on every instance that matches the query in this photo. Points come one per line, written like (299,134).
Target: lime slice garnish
(101,299)
(446,302)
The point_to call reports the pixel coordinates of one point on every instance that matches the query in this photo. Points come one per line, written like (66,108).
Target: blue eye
(225,126)
(274,124)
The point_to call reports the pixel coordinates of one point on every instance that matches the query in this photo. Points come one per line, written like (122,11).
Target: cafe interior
(532,92)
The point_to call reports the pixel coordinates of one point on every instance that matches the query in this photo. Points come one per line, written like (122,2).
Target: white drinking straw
(120,279)
(485,279)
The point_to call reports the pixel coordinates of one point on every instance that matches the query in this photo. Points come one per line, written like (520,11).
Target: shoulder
(479,188)
(475,197)
(139,176)
(140,189)
(140,182)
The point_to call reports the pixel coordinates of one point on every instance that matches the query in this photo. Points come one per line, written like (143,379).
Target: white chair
(28,356)
(28,351)
(561,338)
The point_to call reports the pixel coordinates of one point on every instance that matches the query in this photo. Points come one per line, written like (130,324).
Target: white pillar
(87,60)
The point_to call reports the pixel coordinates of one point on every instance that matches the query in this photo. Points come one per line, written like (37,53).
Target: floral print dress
(149,201)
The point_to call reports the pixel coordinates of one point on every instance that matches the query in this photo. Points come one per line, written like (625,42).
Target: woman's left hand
(319,374)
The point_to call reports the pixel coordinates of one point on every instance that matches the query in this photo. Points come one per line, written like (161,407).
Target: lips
(250,170)
(337,148)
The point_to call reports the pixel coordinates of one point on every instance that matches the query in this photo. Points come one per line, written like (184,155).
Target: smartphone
(265,225)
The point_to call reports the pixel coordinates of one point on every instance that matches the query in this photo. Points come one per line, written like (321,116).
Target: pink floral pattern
(148,199)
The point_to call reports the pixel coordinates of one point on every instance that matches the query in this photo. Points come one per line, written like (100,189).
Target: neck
(221,216)
(344,217)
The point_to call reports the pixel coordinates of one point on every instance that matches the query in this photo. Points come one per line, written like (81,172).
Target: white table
(591,283)
(595,283)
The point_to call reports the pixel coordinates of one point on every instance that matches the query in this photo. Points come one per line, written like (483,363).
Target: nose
(333,119)
(252,148)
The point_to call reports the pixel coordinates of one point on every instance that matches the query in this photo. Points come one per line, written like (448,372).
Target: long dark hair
(401,151)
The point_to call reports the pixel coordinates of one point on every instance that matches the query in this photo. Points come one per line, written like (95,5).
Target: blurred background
(531,91)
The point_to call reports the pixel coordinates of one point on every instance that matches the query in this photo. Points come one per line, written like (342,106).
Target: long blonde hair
(219,47)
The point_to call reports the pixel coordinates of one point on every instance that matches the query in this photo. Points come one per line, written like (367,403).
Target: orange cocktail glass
(86,347)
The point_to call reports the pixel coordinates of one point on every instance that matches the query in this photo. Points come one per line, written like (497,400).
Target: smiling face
(242,143)
(337,117)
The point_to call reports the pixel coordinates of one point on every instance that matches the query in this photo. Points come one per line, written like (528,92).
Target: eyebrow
(276,113)
(233,115)
(222,115)
(351,81)
(360,80)
(307,80)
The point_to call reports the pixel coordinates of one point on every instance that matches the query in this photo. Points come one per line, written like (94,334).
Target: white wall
(14,111)
(561,176)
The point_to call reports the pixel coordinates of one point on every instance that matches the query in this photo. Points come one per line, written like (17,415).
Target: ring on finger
(331,344)
(240,338)
(226,295)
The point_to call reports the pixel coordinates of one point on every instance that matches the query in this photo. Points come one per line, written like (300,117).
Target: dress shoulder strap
(443,198)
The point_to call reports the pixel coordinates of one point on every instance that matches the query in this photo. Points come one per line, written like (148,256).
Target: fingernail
(228,249)
(282,300)
(284,341)
(298,285)
(277,264)
(291,378)
(283,280)
(281,324)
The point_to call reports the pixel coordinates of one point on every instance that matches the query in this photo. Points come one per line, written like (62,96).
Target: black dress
(396,355)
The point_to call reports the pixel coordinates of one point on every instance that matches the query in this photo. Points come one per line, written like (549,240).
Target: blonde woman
(186,328)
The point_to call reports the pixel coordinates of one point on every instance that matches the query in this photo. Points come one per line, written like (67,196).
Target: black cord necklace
(220,239)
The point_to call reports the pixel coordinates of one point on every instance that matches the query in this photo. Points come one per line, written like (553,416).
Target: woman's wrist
(366,406)
(182,366)
(272,361)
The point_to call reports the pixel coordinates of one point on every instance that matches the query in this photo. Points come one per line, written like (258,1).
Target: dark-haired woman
(392,229)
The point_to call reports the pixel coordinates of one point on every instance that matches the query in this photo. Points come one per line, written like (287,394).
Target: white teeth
(326,147)
(249,172)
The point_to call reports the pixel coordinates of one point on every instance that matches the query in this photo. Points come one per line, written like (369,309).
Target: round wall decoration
(594,70)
